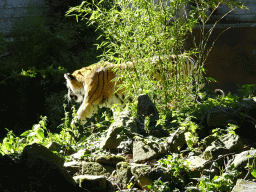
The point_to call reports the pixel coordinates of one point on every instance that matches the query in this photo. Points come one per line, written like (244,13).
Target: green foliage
(191,129)
(13,144)
(44,73)
(71,134)
(209,103)
(41,41)
(251,167)
(176,168)
(247,91)
(131,33)
(224,182)
(230,129)
(253,173)
(68,133)
(130,185)
(136,31)
(146,123)
(160,186)
(37,132)
(10,143)
(41,45)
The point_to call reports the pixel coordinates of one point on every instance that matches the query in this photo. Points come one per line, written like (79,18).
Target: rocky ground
(135,157)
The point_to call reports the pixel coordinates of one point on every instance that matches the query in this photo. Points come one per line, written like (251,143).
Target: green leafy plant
(130,185)
(69,133)
(218,132)
(37,134)
(224,182)
(138,31)
(251,167)
(247,91)
(146,123)
(135,31)
(13,144)
(253,173)
(160,186)
(176,168)
(231,128)
(10,143)
(191,129)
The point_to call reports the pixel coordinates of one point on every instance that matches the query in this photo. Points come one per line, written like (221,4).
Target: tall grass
(140,31)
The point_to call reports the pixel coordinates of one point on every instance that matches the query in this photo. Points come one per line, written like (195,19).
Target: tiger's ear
(68,76)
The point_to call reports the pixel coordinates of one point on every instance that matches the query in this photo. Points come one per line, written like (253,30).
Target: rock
(158,173)
(93,183)
(125,146)
(44,175)
(145,175)
(245,157)
(53,146)
(140,172)
(11,172)
(146,108)
(219,92)
(248,109)
(241,160)
(124,174)
(158,131)
(197,165)
(68,150)
(207,141)
(244,186)
(93,168)
(221,116)
(124,126)
(110,160)
(44,170)
(176,141)
(247,105)
(228,143)
(72,167)
(31,152)
(78,155)
(143,152)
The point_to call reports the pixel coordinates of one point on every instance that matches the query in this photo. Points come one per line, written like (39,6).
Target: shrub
(139,31)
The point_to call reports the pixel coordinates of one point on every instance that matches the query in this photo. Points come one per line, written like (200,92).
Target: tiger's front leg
(85,111)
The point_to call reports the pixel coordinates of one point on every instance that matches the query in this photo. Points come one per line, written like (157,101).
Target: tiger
(93,86)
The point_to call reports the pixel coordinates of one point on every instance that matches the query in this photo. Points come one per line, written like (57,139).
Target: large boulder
(146,151)
(228,143)
(124,126)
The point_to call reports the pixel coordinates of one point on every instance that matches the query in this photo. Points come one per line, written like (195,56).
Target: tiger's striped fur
(93,85)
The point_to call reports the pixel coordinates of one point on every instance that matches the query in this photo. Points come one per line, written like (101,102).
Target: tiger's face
(75,88)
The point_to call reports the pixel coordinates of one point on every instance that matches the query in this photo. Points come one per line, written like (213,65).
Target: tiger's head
(75,88)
